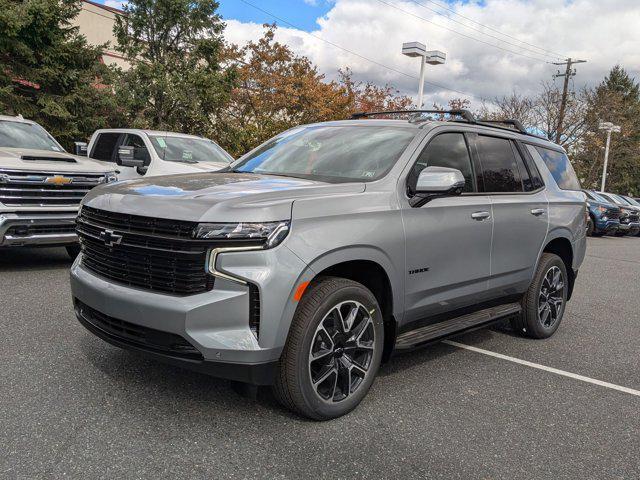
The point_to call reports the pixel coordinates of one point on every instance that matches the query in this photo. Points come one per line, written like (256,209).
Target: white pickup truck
(41,186)
(135,152)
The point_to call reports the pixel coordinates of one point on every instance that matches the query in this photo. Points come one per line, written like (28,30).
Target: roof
(8,118)
(158,133)
(105,7)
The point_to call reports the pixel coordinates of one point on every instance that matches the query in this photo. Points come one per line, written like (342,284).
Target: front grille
(29,230)
(20,188)
(167,263)
(613,213)
(136,335)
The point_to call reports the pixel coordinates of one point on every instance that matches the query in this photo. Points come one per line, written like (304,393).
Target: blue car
(604,216)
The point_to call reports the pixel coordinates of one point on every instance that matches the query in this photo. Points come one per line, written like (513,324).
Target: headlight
(268,234)
(602,209)
(111,177)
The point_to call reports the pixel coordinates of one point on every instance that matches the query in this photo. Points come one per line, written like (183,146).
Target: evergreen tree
(48,72)
(176,80)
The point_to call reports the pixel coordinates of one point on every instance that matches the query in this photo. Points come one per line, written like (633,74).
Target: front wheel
(591,226)
(333,351)
(544,303)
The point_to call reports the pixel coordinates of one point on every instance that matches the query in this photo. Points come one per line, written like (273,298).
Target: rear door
(520,213)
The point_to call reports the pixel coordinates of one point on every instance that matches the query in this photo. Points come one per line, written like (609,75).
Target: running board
(441,330)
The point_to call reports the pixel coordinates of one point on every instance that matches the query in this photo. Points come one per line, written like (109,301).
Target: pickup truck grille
(23,188)
(148,253)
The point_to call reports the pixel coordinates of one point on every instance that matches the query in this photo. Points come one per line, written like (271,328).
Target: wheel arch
(562,247)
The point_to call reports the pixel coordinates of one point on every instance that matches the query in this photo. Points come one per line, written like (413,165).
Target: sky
(493,47)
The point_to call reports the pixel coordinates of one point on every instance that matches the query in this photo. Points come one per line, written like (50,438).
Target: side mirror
(80,149)
(437,182)
(126,158)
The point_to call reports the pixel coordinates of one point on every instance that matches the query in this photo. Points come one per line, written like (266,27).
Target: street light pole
(432,57)
(608,127)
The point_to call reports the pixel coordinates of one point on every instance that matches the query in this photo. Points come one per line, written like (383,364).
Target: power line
(555,54)
(463,34)
(392,69)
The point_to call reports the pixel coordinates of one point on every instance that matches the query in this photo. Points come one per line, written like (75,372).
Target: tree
(49,73)
(176,81)
(617,100)
(369,97)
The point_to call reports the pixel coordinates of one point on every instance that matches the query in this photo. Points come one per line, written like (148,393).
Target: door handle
(480,216)
(538,211)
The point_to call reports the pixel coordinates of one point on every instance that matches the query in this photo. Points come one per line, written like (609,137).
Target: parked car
(629,218)
(318,254)
(140,153)
(634,202)
(41,186)
(604,216)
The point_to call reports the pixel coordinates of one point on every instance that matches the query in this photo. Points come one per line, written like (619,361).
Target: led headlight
(111,177)
(267,234)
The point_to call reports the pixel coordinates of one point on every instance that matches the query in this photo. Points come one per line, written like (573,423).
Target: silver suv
(315,256)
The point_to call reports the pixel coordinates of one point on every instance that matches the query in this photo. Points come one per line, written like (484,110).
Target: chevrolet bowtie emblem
(58,180)
(110,238)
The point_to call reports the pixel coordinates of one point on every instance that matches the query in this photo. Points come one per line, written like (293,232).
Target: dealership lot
(74,406)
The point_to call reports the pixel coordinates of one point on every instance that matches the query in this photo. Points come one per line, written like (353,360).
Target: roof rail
(510,121)
(463,114)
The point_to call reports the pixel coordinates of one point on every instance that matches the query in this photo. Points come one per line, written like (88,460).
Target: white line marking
(545,368)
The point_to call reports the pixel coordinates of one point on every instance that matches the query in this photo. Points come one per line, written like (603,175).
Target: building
(95,22)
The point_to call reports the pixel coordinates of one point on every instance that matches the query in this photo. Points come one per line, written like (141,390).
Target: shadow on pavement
(15,259)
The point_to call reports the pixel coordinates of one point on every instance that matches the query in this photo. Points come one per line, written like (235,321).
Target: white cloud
(115,3)
(604,32)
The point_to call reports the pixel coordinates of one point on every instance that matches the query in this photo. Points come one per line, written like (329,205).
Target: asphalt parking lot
(74,407)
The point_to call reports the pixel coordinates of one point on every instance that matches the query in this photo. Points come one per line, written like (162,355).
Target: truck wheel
(591,226)
(73,251)
(544,303)
(333,350)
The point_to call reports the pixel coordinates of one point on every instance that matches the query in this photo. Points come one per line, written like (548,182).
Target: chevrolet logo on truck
(110,238)
(58,180)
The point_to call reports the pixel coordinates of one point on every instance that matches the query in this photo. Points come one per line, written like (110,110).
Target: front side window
(104,146)
(188,149)
(26,135)
(499,167)
(445,150)
(559,165)
(330,153)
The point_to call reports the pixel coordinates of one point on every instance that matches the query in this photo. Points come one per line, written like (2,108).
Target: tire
(536,320)
(339,388)
(73,251)
(591,226)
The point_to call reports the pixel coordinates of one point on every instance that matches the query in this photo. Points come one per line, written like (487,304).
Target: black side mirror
(127,158)
(80,149)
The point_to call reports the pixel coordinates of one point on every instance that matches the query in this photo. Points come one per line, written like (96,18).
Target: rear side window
(499,166)
(445,150)
(559,165)
(104,146)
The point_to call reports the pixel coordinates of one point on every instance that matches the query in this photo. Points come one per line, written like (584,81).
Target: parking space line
(575,376)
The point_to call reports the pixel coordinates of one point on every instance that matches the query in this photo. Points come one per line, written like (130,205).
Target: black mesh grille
(28,230)
(254,309)
(137,335)
(153,254)
(613,213)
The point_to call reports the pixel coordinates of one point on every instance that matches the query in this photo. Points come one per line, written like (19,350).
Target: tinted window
(534,173)
(445,150)
(499,167)
(527,182)
(104,146)
(330,153)
(560,167)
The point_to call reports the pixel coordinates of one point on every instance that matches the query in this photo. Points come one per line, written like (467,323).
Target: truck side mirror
(437,182)
(126,158)
(80,149)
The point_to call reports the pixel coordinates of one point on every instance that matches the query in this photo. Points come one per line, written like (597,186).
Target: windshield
(26,135)
(189,149)
(330,153)
(632,201)
(598,198)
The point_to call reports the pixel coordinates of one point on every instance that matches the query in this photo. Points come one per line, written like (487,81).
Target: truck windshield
(188,149)
(330,153)
(26,135)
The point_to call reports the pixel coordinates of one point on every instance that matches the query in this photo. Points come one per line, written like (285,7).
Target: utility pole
(608,127)
(568,73)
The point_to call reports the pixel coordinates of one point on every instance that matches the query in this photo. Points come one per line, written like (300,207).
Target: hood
(596,203)
(213,197)
(50,161)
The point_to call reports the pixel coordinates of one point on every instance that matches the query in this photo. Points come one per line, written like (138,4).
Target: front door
(448,240)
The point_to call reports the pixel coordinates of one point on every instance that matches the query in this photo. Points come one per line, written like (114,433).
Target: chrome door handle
(480,215)
(538,211)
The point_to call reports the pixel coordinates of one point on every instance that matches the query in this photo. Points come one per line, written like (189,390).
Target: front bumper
(25,229)
(607,226)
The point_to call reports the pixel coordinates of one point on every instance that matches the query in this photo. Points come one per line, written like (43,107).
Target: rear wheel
(544,303)
(333,351)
